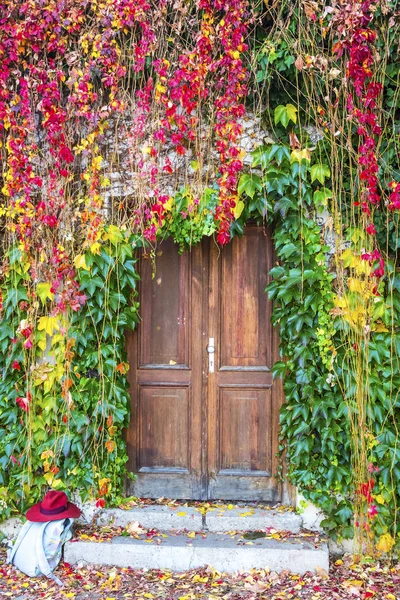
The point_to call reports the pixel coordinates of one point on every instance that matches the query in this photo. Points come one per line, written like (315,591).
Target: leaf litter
(204,507)
(347,580)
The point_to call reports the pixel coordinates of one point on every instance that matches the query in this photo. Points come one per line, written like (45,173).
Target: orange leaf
(111,445)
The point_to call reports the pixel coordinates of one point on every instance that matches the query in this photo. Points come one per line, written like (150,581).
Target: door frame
(201,305)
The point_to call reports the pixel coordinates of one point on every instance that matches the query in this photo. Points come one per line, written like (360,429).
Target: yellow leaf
(354,582)
(351,260)
(198,579)
(57,484)
(96,162)
(299,155)
(237,211)
(95,248)
(181,514)
(161,88)
(355,285)
(357,235)
(49,477)
(168,204)
(379,499)
(379,327)
(192,534)
(246,514)
(386,543)
(114,234)
(42,343)
(43,292)
(47,454)
(80,263)
(390,597)
(48,324)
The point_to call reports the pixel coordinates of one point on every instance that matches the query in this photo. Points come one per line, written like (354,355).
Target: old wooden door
(204,405)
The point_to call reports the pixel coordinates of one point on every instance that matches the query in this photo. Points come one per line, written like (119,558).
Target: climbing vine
(64,397)
(90,92)
(348,116)
(314,421)
(122,122)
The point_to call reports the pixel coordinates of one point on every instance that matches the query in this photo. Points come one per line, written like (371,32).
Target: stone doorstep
(217,520)
(153,516)
(252,519)
(221,551)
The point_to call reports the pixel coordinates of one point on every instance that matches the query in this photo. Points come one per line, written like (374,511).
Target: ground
(348,580)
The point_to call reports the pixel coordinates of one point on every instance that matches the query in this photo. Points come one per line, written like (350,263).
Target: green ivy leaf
(319,172)
(249,184)
(321,198)
(284,114)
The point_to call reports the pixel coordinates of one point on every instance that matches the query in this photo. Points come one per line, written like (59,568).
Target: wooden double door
(205,408)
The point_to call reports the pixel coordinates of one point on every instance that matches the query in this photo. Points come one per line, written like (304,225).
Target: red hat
(53,507)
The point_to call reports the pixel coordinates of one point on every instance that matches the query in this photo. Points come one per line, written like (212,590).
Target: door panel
(245,328)
(164,440)
(244,417)
(198,434)
(163,420)
(243,399)
(165,308)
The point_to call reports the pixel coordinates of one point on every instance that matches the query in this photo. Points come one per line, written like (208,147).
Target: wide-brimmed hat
(53,507)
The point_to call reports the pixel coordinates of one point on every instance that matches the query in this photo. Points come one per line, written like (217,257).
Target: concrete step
(153,516)
(220,519)
(225,553)
(252,519)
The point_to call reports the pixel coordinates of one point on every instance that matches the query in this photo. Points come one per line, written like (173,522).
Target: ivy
(187,218)
(66,429)
(314,425)
(328,83)
(316,368)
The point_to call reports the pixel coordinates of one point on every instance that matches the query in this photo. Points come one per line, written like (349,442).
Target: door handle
(211,352)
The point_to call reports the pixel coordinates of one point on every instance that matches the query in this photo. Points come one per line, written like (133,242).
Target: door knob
(211,352)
